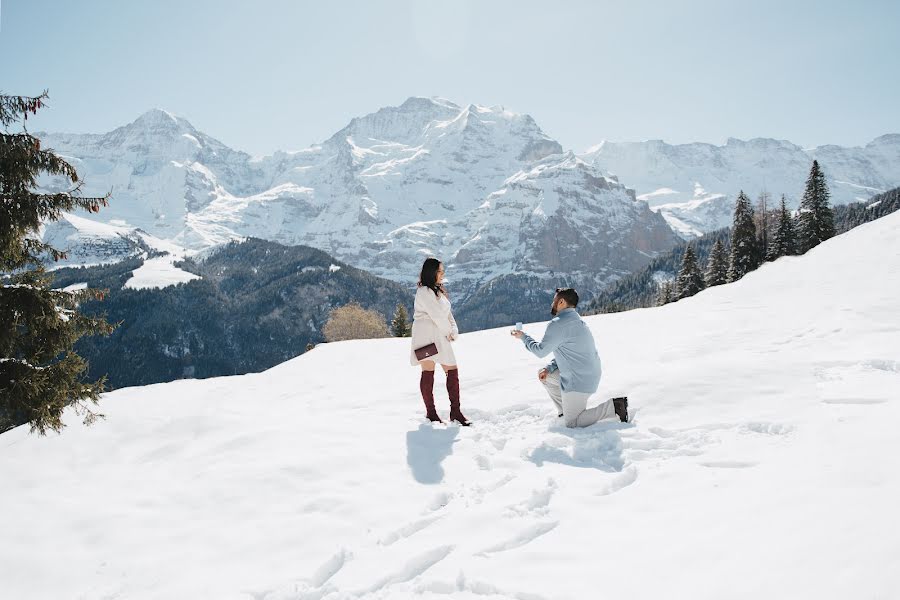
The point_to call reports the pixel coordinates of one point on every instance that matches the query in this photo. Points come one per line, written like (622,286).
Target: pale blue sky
(267,74)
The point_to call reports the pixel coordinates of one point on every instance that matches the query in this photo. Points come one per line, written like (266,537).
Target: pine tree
(665,294)
(784,242)
(816,221)
(717,267)
(40,374)
(400,326)
(744,247)
(689,280)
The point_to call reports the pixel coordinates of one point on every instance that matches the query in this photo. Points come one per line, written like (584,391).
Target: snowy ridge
(668,176)
(764,419)
(392,186)
(89,242)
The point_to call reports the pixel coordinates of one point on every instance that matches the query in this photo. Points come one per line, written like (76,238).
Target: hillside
(760,463)
(251,306)
(641,288)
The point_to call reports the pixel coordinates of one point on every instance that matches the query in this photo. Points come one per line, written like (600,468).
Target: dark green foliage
(642,288)
(666,293)
(40,374)
(816,219)
(848,216)
(744,244)
(258,304)
(400,326)
(784,242)
(717,265)
(689,280)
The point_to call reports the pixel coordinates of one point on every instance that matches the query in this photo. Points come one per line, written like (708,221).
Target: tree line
(758,236)
(764,233)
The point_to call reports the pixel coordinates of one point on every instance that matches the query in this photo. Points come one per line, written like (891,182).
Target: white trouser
(573,405)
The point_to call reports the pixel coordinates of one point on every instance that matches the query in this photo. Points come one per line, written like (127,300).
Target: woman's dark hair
(428,276)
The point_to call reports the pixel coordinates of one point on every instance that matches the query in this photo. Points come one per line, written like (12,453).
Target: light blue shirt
(574,351)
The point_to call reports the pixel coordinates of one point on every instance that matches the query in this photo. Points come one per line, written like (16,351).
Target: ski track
(524,537)
(408,530)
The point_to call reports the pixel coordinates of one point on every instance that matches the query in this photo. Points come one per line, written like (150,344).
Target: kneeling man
(574,373)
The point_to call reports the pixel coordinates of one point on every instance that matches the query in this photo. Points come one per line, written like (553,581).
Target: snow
(651,196)
(869,189)
(761,463)
(753,166)
(427,161)
(158,272)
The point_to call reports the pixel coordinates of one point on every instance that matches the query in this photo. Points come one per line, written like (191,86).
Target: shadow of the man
(596,447)
(426,449)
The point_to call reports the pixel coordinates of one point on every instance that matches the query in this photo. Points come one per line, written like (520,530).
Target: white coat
(432,322)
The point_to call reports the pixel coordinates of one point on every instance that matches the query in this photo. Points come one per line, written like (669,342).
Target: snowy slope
(694,185)
(761,463)
(89,242)
(388,189)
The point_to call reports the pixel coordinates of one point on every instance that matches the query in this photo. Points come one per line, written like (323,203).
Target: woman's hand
(451,337)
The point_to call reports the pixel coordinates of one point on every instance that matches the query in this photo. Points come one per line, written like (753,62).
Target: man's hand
(542,374)
(517,334)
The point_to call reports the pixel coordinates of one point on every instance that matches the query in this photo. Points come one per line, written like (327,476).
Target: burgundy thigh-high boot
(426,386)
(453,392)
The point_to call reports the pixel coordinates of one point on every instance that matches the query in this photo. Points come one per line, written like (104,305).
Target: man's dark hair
(569,295)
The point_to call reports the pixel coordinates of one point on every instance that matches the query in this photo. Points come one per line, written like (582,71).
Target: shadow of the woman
(426,449)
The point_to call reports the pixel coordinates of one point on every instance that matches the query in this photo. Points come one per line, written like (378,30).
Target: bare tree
(353,322)
(762,220)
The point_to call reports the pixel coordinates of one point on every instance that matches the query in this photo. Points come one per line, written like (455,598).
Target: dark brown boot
(621,407)
(426,386)
(453,392)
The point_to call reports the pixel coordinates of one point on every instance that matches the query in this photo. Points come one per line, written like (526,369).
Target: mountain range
(483,188)
(694,185)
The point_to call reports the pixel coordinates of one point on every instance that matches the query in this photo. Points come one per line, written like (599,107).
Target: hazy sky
(263,75)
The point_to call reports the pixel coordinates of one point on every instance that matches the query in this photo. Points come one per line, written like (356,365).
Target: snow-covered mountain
(89,243)
(694,185)
(760,463)
(481,187)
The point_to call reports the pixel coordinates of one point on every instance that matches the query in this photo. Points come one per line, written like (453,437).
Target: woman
(433,322)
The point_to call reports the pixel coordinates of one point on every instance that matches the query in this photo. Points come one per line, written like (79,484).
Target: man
(574,374)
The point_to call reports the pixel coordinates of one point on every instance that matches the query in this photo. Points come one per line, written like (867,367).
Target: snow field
(761,462)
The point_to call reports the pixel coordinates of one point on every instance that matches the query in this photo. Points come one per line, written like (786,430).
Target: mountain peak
(434,102)
(157,120)
(888,139)
(157,116)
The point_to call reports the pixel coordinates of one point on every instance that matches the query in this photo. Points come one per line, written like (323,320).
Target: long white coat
(432,322)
